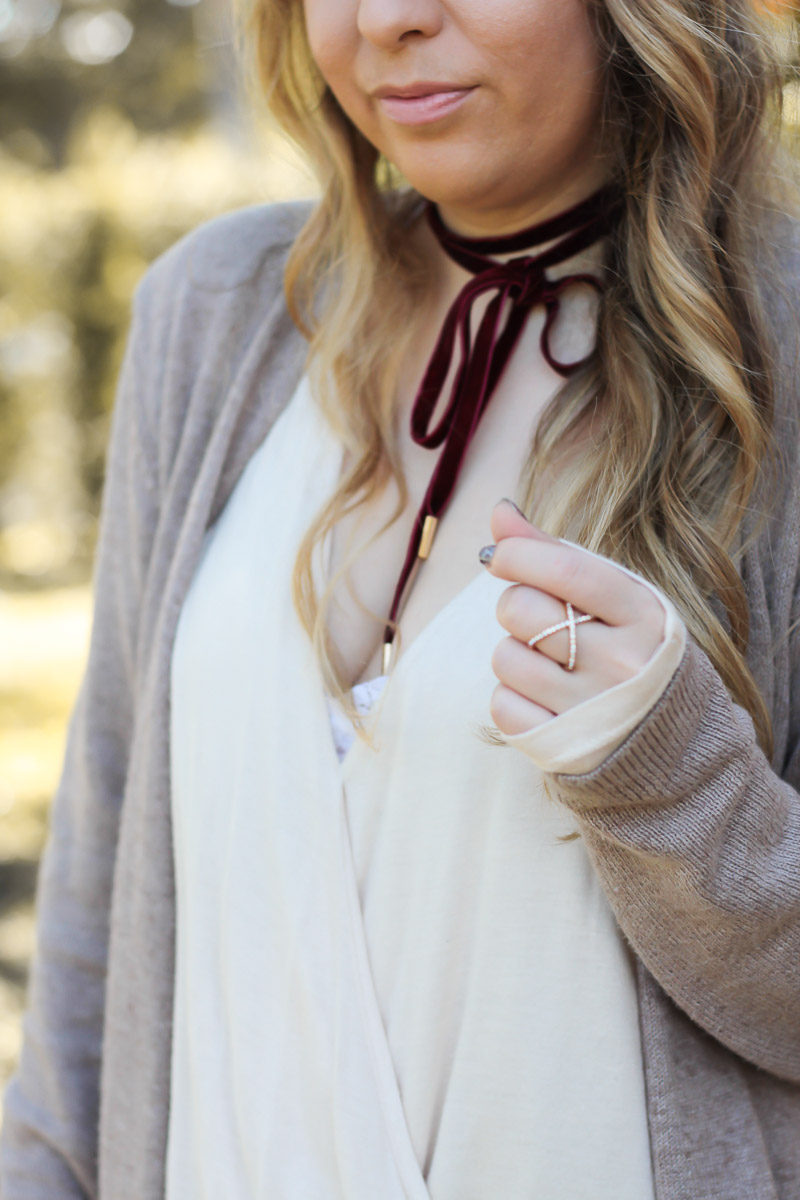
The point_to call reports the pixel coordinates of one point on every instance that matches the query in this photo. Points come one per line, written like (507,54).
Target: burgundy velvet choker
(519,285)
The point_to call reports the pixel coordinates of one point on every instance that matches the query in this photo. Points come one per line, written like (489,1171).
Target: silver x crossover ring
(570,624)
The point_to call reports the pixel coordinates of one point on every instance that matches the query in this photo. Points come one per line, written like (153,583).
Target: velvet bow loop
(515,287)
(522,283)
(550,297)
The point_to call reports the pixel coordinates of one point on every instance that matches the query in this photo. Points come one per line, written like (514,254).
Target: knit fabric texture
(694,834)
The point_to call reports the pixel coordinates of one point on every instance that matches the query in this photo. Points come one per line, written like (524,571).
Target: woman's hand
(545,573)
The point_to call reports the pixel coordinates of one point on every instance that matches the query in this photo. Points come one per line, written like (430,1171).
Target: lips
(421,103)
(412,91)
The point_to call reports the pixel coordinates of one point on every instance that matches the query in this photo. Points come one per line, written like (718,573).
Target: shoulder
(776,268)
(234,248)
(227,252)
(774,508)
(210,313)
(202,299)
(777,265)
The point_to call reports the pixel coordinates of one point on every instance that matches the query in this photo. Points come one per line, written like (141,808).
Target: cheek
(548,46)
(562,96)
(332,38)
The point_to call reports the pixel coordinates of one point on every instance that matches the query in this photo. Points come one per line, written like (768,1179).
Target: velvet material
(519,286)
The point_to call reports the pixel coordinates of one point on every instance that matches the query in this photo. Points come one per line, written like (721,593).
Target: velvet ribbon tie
(519,285)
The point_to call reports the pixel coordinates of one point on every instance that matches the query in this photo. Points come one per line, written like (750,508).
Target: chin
(473,183)
(485,195)
(459,190)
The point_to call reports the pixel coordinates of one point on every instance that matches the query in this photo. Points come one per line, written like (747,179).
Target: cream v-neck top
(394,977)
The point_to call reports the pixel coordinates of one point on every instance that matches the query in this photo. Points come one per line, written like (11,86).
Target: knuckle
(510,606)
(566,571)
(649,608)
(616,672)
(655,618)
(499,708)
(500,658)
(499,561)
(624,661)
(495,707)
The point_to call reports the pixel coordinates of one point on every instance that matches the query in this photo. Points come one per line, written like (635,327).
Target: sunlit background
(122,126)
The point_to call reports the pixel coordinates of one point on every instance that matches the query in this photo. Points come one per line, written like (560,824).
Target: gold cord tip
(426,541)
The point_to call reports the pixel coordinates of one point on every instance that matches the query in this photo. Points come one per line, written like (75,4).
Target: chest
(497,454)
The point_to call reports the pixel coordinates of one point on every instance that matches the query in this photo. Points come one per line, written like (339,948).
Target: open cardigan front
(695,837)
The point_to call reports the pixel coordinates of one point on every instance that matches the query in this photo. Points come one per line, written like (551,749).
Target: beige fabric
(383,966)
(695,837)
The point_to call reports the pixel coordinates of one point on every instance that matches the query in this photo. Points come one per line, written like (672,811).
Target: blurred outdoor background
(123,124)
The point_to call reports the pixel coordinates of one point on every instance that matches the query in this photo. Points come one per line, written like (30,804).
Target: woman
(557,957)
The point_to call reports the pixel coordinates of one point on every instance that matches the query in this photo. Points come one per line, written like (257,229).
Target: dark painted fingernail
(487,554)
(508,500)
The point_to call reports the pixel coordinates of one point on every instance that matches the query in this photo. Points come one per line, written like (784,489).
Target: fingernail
(487,554)
(508,500)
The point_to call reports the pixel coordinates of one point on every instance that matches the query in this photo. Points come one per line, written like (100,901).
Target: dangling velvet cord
(523,283)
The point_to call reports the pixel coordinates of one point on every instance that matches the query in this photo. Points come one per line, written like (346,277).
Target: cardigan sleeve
(696,840)
(48,1148)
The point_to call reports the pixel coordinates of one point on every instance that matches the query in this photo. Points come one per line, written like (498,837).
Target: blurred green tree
(121,127)
(61,58)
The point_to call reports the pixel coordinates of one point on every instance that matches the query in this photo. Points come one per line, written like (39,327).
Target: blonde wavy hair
(681,382)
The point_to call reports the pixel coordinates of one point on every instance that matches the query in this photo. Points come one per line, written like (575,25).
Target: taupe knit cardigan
(695,836)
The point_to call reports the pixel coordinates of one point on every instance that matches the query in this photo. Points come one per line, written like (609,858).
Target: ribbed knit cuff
(664,752)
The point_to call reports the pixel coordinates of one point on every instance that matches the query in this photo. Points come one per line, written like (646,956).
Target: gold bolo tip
(426,541)
(386,657)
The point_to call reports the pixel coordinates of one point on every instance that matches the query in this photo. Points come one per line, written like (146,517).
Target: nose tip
(392,23)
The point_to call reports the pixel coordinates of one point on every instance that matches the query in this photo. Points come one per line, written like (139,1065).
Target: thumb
(508,521)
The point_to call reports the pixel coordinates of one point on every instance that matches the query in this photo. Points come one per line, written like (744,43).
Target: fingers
(625,626)
(513,713)
(507,521)
(569,573)
(525,612)
(531,674)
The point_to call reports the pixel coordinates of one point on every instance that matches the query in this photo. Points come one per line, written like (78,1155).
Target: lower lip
(420,110)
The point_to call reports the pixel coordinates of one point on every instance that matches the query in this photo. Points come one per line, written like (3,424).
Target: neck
(449,278)
(570,239)
(473,359)
(504,220)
